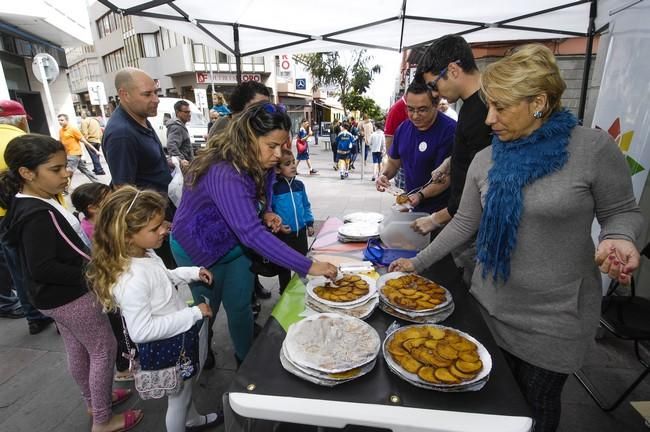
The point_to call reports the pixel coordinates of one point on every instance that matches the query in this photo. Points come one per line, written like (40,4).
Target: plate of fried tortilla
(437,357)
(412,294)
(346,291)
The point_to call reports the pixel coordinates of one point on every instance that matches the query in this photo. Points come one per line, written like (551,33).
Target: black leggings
(542,389)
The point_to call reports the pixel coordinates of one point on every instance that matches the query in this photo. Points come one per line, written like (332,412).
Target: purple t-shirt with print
(420,152)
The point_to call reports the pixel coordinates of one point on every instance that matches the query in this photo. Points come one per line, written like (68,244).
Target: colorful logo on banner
(624,141)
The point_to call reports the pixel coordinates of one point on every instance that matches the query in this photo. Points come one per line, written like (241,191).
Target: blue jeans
(11,256)
(232,284)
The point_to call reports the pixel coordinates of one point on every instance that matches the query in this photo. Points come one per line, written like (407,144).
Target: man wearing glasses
(420,145)
(449,69)
(178,138)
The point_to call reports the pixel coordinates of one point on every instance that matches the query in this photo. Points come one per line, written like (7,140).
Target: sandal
(131,420)
(206,422)
(120,395)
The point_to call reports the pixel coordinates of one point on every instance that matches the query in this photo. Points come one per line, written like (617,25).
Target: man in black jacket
(449,69)
(178,138)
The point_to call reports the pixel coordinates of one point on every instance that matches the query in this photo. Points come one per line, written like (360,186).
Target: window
(223,58)
(148,45)
(108,23)
(198,53)
(114,61)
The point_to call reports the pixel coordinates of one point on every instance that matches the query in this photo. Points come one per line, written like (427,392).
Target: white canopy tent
(251,27)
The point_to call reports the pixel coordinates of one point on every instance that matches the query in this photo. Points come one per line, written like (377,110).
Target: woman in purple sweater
(226,209)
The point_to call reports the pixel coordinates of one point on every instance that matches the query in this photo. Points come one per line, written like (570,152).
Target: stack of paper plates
(330,349)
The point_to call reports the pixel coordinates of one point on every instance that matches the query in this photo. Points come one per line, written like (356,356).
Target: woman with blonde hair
(226,213)
(532,197)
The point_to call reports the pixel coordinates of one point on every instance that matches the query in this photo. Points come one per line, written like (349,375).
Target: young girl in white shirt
(126,273)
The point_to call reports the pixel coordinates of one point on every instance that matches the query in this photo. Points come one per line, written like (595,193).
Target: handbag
(301,145)
(155,375)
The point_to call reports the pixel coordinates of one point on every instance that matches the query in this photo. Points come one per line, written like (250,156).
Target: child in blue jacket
(344,143)
(290,202)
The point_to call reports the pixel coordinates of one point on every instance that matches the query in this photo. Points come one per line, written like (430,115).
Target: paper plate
(362,311)
(364,217)
(332,343)
(340,377)
(359,230)
(319,281)
(473,384)
(413,313)
(435,317)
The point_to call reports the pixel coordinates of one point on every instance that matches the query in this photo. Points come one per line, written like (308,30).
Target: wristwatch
(421,196)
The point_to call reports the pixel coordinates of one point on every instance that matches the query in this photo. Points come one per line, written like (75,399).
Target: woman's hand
(205,275)
(310,231)
(205,309)
(402,264)
(618,258)
(272,221)
(425,224)
(326,269)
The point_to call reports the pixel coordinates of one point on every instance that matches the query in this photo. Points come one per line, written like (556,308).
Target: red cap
(12,108)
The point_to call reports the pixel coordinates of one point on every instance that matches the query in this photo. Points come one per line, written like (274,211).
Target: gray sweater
(547,312)
(178,141)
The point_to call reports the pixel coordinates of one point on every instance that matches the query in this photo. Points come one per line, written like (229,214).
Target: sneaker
(336,167)
(347,174)
(373,179)
(342,177)
(313,171)
(99,172)
(13,314)
(37,326)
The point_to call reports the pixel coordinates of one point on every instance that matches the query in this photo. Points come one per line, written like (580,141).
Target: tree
(354,101)
(327,69)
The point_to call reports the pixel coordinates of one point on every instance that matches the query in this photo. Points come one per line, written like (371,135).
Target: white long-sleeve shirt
(150,303)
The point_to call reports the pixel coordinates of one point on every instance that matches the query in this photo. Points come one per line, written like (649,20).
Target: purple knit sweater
(220,211)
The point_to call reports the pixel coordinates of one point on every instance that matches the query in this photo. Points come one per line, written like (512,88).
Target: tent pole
(235,29)
(587,67)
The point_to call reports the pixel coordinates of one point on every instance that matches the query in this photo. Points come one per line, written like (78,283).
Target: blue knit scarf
(517,164)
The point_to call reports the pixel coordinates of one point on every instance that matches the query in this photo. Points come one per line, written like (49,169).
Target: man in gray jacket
(178,138)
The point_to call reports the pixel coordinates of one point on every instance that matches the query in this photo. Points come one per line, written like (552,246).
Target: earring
(538,114)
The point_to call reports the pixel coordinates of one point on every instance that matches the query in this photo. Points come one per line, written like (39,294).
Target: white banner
(96,93)
(622,107)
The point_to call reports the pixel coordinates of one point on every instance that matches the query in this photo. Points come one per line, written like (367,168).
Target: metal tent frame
(338,38)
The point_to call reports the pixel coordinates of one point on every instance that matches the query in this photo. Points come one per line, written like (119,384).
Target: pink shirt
(88,227)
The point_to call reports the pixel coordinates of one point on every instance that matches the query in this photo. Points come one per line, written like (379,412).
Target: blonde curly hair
(123,213)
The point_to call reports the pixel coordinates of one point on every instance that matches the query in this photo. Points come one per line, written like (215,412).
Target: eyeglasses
(418,111)
(433,85)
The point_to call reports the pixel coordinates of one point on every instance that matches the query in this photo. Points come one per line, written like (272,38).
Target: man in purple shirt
(420,145)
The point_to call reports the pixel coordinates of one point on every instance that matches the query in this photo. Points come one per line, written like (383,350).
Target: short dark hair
(65,116)
(180,104)
(443,51)
(244,93)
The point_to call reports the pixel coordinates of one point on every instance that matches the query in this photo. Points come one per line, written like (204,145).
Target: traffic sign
(301,83)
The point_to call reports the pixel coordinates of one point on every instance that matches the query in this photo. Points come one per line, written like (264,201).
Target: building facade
(32,27)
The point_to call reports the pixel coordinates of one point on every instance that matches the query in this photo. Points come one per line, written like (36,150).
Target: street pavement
(37,393)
